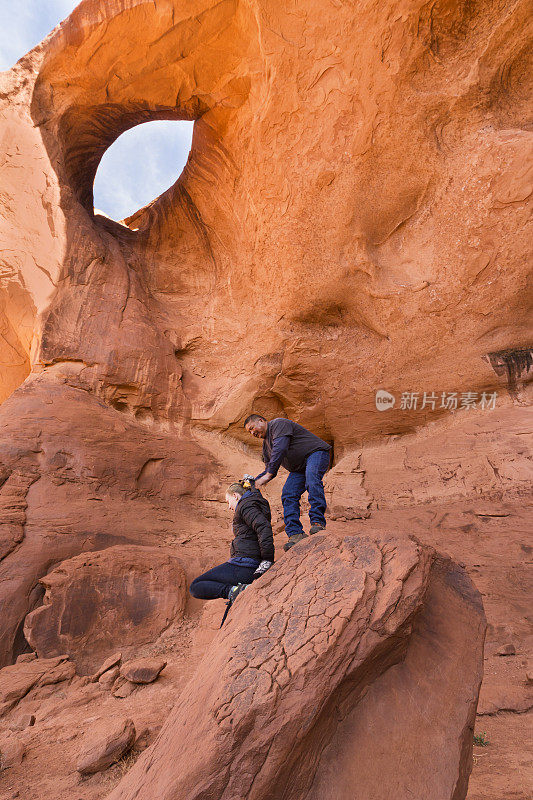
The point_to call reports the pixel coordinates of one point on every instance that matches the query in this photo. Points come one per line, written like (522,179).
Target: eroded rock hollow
(352,218)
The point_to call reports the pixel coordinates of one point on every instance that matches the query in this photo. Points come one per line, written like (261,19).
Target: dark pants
(296,484)
(218,581)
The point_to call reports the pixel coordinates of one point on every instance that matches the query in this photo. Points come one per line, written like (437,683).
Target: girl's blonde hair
(236,488)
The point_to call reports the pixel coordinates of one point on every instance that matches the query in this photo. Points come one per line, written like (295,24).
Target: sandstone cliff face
(352,217)
(356,196)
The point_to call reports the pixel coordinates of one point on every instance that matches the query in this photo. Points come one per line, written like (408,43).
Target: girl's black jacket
(252,528)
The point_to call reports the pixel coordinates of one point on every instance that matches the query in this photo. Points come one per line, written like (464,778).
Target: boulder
(353,660)
(26,657)
(122,596)
(503,694)
(105,745)
(143,670)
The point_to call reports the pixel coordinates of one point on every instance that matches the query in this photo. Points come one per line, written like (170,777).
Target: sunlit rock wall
(352,216)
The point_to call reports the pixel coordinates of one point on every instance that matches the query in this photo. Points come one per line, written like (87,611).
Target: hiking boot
(316,527)
(294,540)
(232,594)
(235,591)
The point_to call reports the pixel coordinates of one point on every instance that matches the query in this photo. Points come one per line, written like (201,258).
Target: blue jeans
(218,581)
(296,484)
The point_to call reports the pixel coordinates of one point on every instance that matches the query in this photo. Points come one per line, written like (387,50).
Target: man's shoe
(235,591)
(294,540)
(316,527)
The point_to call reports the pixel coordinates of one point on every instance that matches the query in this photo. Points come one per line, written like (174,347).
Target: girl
(252,548)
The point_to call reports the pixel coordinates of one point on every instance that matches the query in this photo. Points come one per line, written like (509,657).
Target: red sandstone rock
(11,751)
(25,657)
(100,749)
(347,645)
(108,678)
(23,721)
(384,259)
(13,491)
(507,650)
(122,688)
(112,661)
(93,500)
(496,697)
(353,216)
(143,670)
(121,596)
(17,680)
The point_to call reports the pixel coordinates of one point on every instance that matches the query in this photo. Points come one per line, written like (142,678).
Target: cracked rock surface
(316,678)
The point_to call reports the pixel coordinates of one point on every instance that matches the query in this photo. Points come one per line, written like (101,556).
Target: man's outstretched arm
(280,446)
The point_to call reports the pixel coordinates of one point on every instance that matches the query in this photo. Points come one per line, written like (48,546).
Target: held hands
(265,479)
(261,569)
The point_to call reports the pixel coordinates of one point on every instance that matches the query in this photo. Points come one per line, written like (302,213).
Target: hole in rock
(140,165)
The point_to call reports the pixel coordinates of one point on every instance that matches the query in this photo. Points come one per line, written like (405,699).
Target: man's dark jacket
(252,528)
(289,444)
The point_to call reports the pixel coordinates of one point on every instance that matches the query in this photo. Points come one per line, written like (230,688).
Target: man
(287,444)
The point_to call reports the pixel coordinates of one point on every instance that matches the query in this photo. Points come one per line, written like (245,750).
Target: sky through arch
(140,164)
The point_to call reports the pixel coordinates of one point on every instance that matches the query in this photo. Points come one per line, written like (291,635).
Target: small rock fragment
(23,721)
(100,751)
(506,650)
(108,678)
(110,662)
(122,687)
(143,670)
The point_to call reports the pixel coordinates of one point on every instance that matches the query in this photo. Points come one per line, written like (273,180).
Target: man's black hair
(253,418)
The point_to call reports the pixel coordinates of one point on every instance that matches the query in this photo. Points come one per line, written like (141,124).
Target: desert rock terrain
(354,216)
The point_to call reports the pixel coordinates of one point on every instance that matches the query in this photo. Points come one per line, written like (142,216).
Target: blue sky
(141,163)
